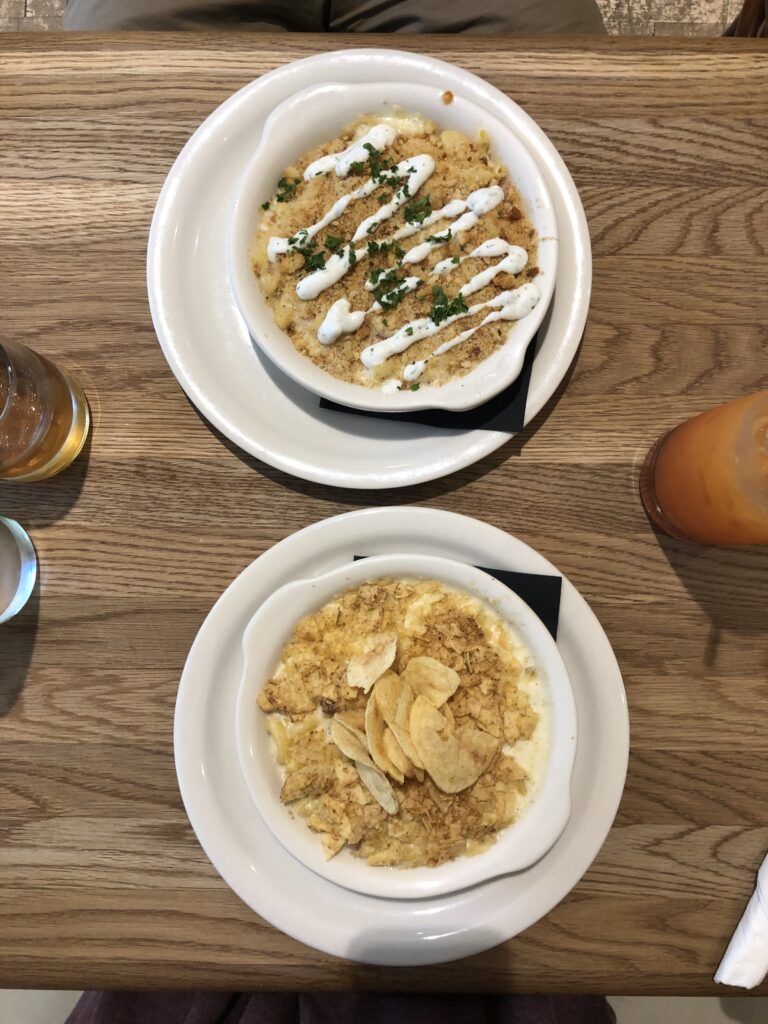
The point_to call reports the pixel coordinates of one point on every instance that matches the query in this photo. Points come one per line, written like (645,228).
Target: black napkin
(541,593)
(504,412)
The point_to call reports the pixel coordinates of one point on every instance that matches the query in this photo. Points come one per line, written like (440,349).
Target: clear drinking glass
(44,415)
(18,568)
(707,480)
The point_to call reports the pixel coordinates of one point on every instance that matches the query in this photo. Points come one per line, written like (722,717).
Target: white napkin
(746,960)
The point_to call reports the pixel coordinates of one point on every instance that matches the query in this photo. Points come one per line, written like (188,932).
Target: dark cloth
(751,21)
(335,1008)
(477,16)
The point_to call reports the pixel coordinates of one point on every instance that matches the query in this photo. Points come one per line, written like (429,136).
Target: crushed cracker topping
(414,767)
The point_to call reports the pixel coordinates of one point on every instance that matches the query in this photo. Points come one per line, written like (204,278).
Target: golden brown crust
(462,165)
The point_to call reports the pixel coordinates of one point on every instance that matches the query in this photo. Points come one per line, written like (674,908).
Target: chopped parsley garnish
(332,242)
(301,240)
(385,321)
(376,162)
(411,170)
(313,261)
(443,307)
(389,289)
(384,248)
(439,239)
(285,188)
(357,167)
(351,255)
(383,198)
(372,227)
(265,206)
(417,211)
(416,386)
(456,259)
(409,331)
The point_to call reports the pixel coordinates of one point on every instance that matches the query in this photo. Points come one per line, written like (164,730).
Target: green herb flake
(383,198)
(265,206)
(376,163)
(389,290)
(357,167)
(417,211)
(351,255)
(416,386)
(443,308)
(439,239)
(313,261)
(456,259)
(332,242)
(409,331)
(285,189)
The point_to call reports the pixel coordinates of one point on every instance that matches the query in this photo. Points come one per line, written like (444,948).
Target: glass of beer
(707,480)
(18,568)
(44,415)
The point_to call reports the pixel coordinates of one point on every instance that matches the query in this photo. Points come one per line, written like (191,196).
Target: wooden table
(103,882)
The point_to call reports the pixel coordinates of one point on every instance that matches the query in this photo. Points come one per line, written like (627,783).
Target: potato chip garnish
(349,741)
(387,692)
(395,698)
(454,758)
(431,679)
(376,784)
(396,754)
(364,669)
(354,719)
(403,737)
(374,733)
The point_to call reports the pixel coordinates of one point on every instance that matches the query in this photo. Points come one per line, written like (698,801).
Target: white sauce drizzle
(510,305)
(466,213)
(479,202)
(381,136)
(279,246)
(342,319)
(423,168)
(489,248)
(517,304)
(336,266)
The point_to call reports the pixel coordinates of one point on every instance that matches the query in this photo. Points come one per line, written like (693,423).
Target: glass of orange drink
(707,479)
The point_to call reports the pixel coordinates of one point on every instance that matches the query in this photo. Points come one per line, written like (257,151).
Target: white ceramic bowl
(314,116)
(518,846)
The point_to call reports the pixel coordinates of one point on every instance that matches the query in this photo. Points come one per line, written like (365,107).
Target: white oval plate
(295,899)
(205,339)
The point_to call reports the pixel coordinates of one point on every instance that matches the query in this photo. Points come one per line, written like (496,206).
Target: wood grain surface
(103,882)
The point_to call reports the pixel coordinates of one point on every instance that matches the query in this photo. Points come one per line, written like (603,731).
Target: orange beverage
(44,416)
(707,480)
